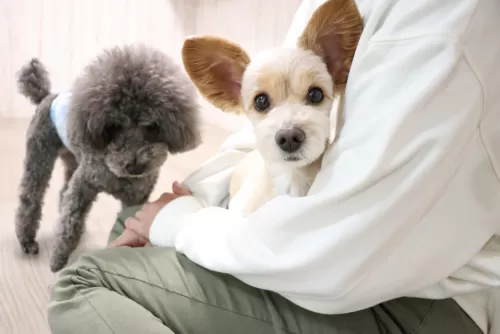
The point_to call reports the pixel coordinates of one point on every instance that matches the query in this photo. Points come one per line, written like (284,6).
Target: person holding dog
(399,232)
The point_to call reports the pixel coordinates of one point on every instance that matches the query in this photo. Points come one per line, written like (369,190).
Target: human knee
(70,294)
(79,274)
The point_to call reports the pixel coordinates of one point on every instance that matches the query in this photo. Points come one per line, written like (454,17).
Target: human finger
(128,238)
(165,198)
(137,226)
(180,189)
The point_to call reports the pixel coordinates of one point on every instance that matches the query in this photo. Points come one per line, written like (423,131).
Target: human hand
(137,228)
(131,239)
(180,189)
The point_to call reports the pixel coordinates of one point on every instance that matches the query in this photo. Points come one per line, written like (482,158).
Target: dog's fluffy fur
(130,108)
(230,80)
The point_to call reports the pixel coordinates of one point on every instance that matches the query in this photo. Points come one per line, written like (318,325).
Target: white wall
(66,34)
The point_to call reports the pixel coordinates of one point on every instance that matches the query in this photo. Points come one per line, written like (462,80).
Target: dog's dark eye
(315,95)
(151,131)
(261,102)
(109,132)
(152,128)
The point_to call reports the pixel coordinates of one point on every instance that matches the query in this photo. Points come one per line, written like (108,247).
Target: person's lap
(156,290)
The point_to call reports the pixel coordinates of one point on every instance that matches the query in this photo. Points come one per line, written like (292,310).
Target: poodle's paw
(57,262)
(30,247)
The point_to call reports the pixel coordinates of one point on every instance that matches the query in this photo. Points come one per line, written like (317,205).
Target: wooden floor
(25,282)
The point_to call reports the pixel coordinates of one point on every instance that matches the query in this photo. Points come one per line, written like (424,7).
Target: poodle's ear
(216,67)
(333,33)
(91,130)
(99,133)
(181,126)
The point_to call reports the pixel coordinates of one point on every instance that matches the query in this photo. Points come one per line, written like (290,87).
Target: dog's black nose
(135,169)
(290,140)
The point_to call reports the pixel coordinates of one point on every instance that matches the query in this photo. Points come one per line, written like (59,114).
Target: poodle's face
(135,147)
(132,107)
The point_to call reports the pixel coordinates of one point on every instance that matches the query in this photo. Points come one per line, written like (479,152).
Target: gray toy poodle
(129,109)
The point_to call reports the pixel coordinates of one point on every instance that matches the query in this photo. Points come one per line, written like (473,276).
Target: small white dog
(286,93)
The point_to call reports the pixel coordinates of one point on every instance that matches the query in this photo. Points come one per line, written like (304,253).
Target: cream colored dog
(286,93)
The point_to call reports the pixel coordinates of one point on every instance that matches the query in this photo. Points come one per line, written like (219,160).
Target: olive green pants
(156,290)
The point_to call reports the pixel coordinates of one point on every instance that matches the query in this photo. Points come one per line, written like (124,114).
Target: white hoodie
(408,199)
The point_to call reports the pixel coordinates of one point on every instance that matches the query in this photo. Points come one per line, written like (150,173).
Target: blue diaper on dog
(59,110)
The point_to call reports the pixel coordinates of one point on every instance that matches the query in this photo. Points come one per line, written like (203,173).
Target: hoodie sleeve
(388,203)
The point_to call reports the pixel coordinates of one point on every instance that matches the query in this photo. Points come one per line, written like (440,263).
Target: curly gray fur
(130,108)
(33,81)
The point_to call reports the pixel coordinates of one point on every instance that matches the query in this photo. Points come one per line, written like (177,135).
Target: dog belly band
(59,115)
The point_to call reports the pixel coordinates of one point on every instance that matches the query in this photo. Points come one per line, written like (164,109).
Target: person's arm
(391,211)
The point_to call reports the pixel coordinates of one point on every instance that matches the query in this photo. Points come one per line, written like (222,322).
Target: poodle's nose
(135,168)
(290,140)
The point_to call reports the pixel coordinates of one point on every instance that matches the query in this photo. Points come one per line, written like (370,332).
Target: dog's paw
(57,263)
(30,247)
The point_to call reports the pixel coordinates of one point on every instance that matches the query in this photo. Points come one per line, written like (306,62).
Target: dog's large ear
(216,67)
(333,33)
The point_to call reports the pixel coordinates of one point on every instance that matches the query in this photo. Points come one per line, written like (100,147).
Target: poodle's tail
(33,81)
